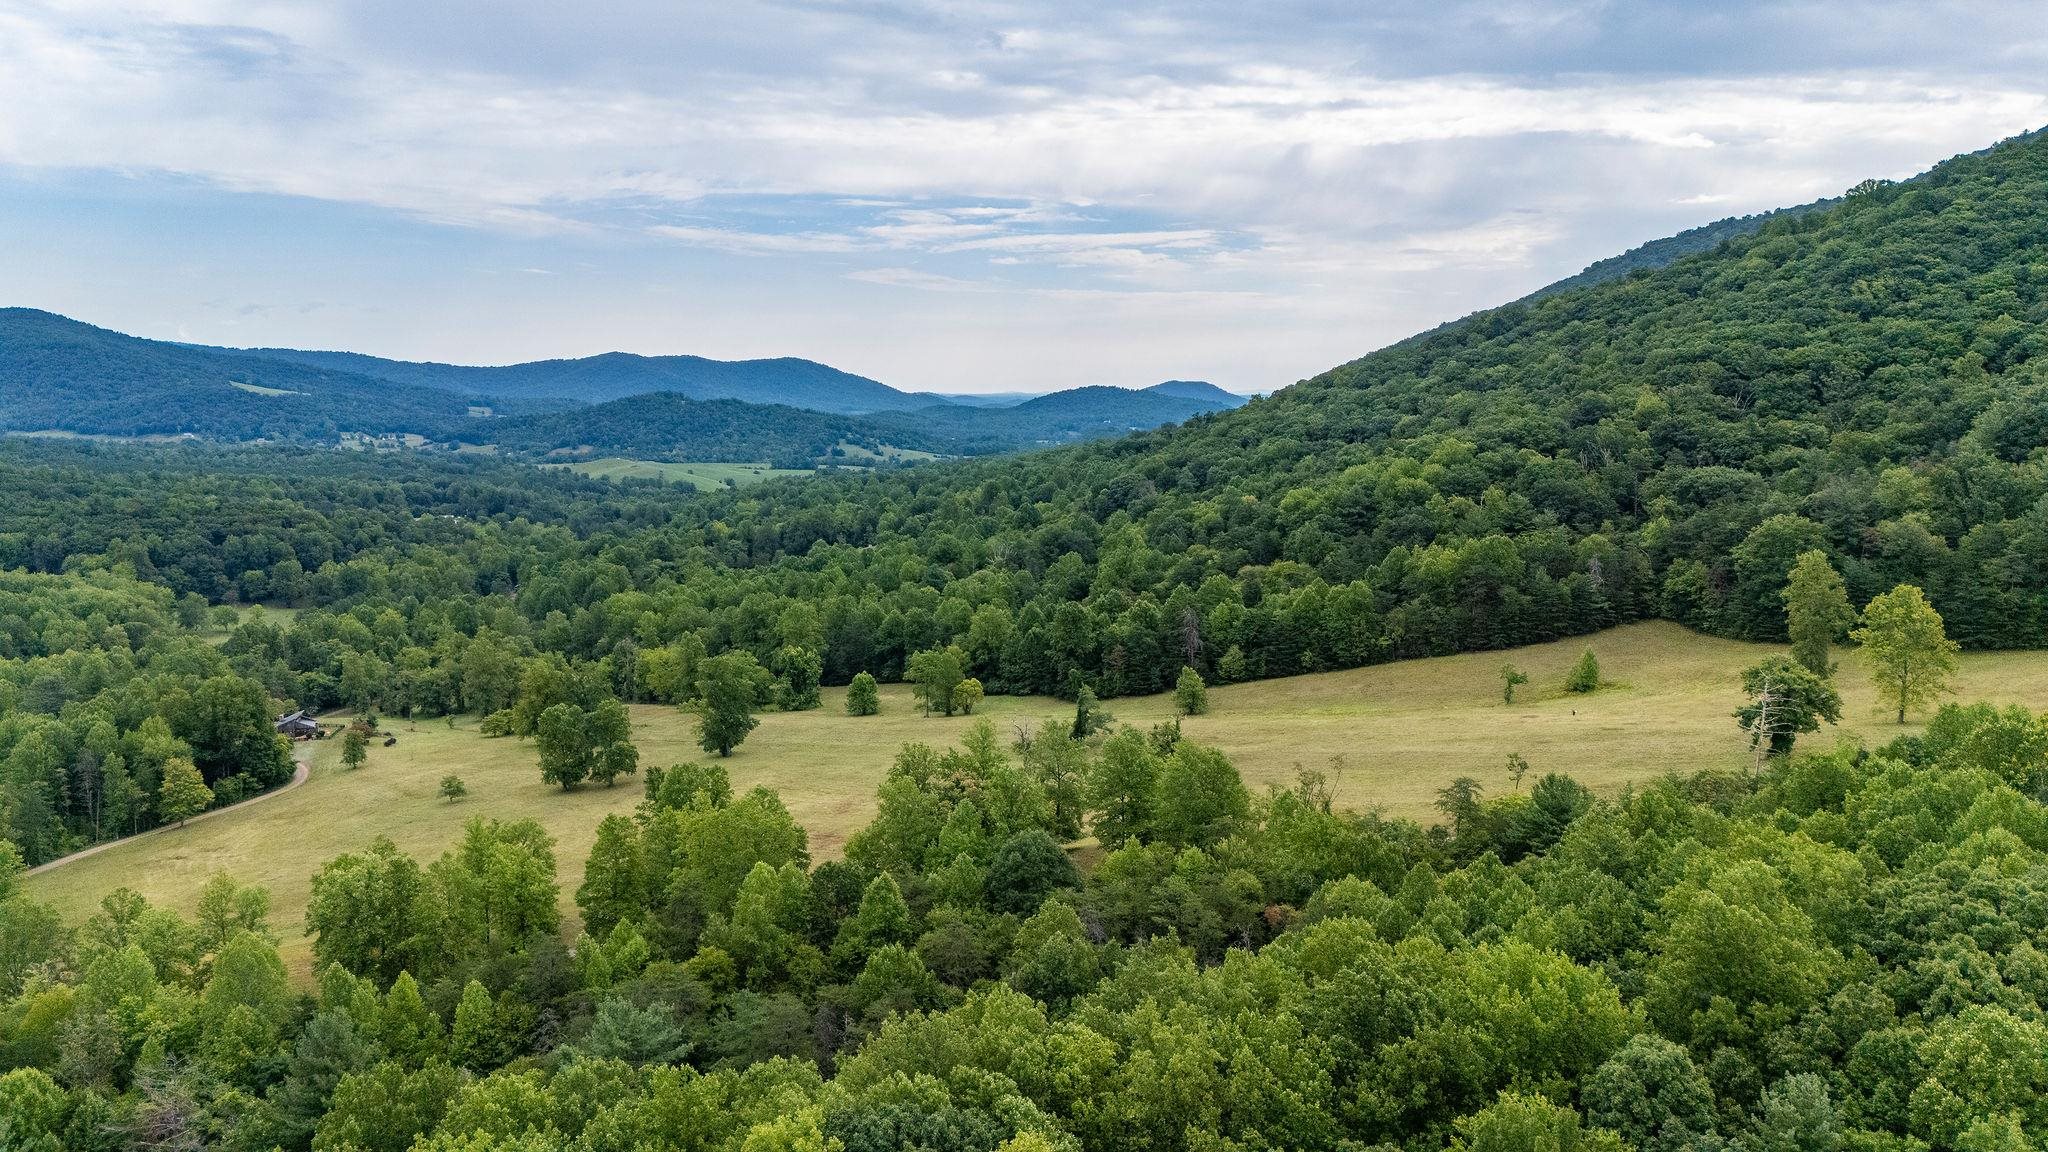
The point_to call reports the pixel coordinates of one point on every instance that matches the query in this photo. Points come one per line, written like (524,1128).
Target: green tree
(473,1042)
(1233,665)
(1817,611)
(1651,1094)
(355,748)
(1908,651)
(1028,867)
(725,709)
(374,913)
(563,745)
(1585,675)
(613,888)
(800,669)
(1190,693)
(966,695)
(1123,789)
(226,909)
(1511,678)
(1199,798)
(386,1108)
(1518,1123)
(452,788)
(936,675)
(862,699)
(609,729)
(1090,716)
(184,793)
(496,888)
(1786,698)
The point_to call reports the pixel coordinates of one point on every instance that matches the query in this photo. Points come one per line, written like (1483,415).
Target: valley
(1387,737)
(1614,721)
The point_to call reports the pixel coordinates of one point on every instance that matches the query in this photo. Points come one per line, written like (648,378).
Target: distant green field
(1389,737)
(855,454)
(260,390)
(702,476)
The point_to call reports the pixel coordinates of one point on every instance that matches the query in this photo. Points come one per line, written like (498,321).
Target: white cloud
(912,278)
(1372,169)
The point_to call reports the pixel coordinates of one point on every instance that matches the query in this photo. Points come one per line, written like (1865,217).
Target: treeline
(1841,952)
(115,717)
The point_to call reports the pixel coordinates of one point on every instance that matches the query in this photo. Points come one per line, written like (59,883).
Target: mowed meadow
(1388,737)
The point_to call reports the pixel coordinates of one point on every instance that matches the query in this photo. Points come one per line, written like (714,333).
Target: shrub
(861,697)
(1585,675)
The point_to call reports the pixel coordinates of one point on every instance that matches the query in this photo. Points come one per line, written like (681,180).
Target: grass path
(1388,736)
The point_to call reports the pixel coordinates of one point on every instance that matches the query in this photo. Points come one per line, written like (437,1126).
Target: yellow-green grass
(1402,731)
(700,476)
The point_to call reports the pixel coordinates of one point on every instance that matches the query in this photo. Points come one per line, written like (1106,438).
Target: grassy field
(1388,736)
(260,390)
(700,476)
(855,454)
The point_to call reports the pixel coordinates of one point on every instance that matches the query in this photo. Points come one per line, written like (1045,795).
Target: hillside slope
(1086,413)
(59,374)
(667,426)
(1868,379)
(670,426)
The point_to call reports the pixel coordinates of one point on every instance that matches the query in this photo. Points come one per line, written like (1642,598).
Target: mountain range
(61,375)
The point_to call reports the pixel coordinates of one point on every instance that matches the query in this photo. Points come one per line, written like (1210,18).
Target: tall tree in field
(1817,611)
(1090,716)
(1786,698)
(563,745)
(184,793)
(609,729)
(937,674)
(1910,655)
(800,669)
(355,748)
(1190,694)
(725,711)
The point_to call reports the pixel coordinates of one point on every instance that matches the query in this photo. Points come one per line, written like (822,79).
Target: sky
(986,195)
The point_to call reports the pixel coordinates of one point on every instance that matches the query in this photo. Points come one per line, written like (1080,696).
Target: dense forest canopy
(1842,952)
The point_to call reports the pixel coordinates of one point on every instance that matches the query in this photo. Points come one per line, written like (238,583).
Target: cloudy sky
(960,196)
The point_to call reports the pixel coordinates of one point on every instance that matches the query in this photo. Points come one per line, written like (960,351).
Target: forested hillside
(666,426)
(1865,379)
(1075,414)
(60,375)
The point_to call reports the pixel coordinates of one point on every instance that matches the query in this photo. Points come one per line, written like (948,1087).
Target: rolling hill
(1087,413)
(1197,390)
(668,426)
(1867,379)
(612,375)
(58,374)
